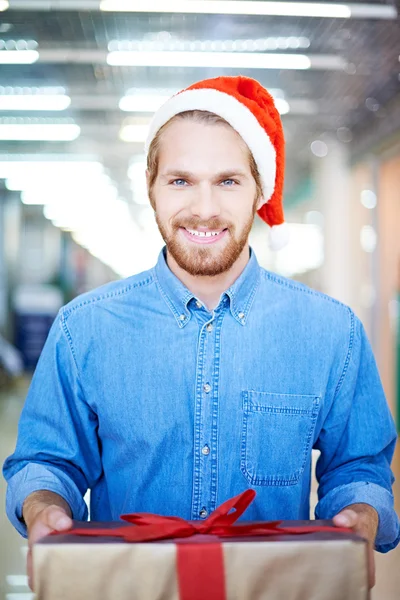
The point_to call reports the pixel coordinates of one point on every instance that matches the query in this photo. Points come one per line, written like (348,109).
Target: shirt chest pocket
(277,436)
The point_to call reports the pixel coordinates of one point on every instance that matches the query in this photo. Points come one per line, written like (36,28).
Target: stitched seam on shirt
(347,361)
(215,423)
(167,300)
(304,290)
(109,295)
(197,422)
(252,296)
(69,339)
(164,295)
(71,347)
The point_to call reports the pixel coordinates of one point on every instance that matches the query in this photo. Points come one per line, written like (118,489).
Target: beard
(206,261)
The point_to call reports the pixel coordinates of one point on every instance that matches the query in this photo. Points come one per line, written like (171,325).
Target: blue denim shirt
(157,404)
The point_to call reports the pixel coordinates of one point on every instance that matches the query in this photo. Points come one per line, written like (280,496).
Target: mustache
(194,223)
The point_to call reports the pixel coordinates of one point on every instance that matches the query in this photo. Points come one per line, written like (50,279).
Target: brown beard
(205,261)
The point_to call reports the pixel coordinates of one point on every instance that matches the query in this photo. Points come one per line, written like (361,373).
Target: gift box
(150,557)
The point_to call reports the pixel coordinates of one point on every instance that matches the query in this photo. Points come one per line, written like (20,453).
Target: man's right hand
(44,512)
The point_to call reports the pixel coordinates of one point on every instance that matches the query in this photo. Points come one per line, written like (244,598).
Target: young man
(175,389)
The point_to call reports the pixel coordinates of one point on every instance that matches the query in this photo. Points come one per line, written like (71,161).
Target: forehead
(190,142)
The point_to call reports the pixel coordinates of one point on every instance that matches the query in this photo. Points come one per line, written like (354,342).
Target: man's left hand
(363,520)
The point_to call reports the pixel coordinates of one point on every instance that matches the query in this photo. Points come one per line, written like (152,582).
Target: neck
(210,289)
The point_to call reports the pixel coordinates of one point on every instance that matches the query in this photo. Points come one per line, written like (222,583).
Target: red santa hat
(250,110)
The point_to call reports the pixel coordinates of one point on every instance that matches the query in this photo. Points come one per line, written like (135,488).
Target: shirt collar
(177,296)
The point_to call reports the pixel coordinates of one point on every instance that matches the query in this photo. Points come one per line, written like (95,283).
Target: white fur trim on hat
(279,236)
(236,114)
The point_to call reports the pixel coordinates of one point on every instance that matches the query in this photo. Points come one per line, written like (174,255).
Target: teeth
(203,233)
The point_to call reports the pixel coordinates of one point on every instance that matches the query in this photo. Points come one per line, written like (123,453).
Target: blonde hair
(199,116)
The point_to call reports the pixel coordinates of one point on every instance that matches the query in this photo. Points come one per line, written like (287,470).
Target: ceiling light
(70,200)
(368,199)
(143,102)
(46,183)
(4,4)
(134,133)
(240,7)
(173,44)
(31,170)
(18,57)
(230,60)
(282,106)
(51,132)
(319,148)
(21,44)
(232,7)
(28,99)
(151,100)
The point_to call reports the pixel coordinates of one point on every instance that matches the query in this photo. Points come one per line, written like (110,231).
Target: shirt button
(205,450)
(199,304)
(209,327)
(182,317)
(207,388)
(203,513)
(241,315)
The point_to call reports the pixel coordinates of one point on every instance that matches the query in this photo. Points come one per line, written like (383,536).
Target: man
(178,388)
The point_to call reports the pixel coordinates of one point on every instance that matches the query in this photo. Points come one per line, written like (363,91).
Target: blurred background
(79,81)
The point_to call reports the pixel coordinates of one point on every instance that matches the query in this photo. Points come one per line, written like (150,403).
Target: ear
(148,189)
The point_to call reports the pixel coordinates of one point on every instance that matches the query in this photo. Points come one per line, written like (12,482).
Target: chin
(204,262)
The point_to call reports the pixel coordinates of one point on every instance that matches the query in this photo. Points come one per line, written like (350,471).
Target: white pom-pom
(279,236)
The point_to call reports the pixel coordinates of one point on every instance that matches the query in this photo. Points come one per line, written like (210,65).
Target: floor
(13,582)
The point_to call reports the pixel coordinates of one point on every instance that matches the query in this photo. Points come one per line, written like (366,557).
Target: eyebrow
(188,175)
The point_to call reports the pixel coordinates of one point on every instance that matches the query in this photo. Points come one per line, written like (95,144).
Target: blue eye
(228,182)
(179,182)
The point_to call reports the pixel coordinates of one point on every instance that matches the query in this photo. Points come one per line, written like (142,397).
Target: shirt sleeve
(357,442)
(57,446)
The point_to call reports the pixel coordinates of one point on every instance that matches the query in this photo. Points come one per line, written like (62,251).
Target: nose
(205,204)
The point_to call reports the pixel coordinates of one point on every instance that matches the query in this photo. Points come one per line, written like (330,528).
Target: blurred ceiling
(354,69)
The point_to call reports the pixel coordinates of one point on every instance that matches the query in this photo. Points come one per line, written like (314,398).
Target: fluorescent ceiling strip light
(134,133)
(46,183)
(142,103)
(18,57)
(229,60)
(258,8)
(70,200)
(39,132)
(240,45)
(231,7)
(132,104)
(28,102)
(31,169)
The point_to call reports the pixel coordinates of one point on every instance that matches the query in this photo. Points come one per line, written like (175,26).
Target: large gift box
(149,557)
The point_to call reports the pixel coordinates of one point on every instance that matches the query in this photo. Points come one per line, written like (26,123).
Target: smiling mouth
(204,234)
(204,237)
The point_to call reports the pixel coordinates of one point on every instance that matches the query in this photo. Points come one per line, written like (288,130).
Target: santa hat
(251,111)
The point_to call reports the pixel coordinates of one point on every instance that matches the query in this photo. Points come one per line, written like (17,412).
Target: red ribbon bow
(200,566)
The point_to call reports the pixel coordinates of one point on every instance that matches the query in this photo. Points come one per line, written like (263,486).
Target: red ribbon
(200,567)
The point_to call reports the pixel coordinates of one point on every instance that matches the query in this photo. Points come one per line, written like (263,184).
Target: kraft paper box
(323,564)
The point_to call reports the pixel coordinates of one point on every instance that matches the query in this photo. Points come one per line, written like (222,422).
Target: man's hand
(363,519)
(43,513)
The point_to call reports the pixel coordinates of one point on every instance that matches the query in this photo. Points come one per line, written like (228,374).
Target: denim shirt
(157,404)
